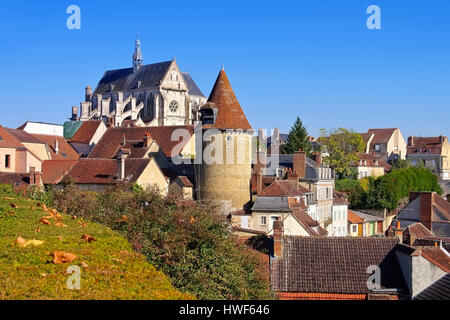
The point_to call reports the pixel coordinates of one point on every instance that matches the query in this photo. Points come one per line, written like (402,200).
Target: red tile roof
(66,151)
(111,141)
(436,256)
(86,131)
(432,145)
(104,171)
(353,217)
(442,205)
(308,223)
(23,136)
(381,135)
(7,140)
(279,189)
(419,230)
(335,265)
(53,171)
(230,114)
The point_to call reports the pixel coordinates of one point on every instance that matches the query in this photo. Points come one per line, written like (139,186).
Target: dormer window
(377,147)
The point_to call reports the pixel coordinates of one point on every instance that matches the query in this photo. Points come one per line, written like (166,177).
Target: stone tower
(226,149)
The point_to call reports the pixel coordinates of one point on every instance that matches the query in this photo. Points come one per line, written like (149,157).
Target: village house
(339,225)
(84,135)
(98,174)
(334,268)
(364,225)
(49,129)
(427,208)
(370,165)
(433,152)
(14,156)
(282,201)
(388,143)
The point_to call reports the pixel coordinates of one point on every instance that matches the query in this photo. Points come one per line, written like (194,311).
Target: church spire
(137,56)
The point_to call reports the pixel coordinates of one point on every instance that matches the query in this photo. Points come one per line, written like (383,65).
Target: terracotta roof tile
(23,136)
(436,256)
(109,144)
(381,135)
(353,217)
(230,114)
(185,180)
(86,131)
(66,151)
(335,265)
(432,145)
(280,188)
(53,171)
(7,140)
(369,159)
(104,171)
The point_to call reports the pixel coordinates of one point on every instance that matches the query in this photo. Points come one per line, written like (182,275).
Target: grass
(109,267)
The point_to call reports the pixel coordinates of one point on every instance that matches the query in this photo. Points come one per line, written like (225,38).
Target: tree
(298,139)
(342,147)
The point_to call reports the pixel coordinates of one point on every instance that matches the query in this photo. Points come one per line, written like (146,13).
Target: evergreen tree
(298,139)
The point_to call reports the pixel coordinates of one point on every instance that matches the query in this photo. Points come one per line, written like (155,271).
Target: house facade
(432,152)
(387,143)
(369,165)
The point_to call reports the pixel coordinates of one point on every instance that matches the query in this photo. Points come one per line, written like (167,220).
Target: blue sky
(315,59)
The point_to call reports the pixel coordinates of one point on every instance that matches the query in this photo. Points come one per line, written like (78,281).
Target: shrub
(186,241)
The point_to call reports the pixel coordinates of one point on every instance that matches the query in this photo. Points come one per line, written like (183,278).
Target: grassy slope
(113,270)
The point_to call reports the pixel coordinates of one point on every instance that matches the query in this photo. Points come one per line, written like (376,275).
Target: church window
(173,106)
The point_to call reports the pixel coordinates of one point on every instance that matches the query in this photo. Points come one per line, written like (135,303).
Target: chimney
(441,139)
(88,93)
(74,113)
(278,239)
(56,146)
(317,157)
(410,140)
(299,163)
(293,179)
(32,175)
(121,166)
(260,164)
(398,231)
(260,139)
(426,209)
(147,140)
(259,182)
(275,141)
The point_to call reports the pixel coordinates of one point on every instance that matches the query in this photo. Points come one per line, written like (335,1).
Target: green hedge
(387,191)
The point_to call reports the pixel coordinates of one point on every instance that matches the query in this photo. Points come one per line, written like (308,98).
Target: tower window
(7,161)
(173,106)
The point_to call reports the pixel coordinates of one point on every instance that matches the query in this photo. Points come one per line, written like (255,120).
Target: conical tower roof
(229,114)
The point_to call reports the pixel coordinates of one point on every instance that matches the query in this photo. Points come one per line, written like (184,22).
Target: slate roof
(192,86)
(53,171)
(271,204)
(438,290)
(150,76)
(66,151)
(335,265)
(104,171)
(86,131)
(230,114)
(111,140)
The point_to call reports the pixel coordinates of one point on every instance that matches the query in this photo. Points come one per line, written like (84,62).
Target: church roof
(192,86)
(230,114)
(150,76)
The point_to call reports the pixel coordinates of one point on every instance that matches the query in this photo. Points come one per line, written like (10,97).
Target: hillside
(31,269)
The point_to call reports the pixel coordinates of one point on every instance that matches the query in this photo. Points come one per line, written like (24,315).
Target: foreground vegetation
(30,268)
(185,240)
(388,190)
